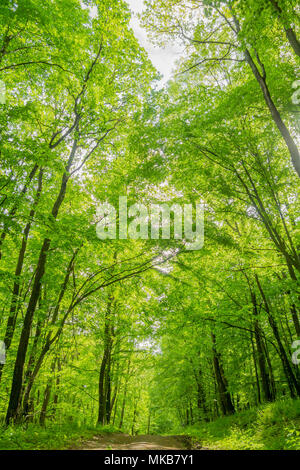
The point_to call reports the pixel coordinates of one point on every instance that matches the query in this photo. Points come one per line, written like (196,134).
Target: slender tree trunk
(191,414)
(45,404)
(115,392)
(124,396)
(115,410)
(57,385)
(256,371)
(15,207)
(135,407)
(104,385)
(293,383)
(295,318)
(201,399)
(116,379)
(264,374)
(292,38)
(222,384)
(17,382)
(108,389)
(13,311)
(187,414)
(272,379)
(30,367)
(47,395)
(50,340)
(290,33)
(260,77)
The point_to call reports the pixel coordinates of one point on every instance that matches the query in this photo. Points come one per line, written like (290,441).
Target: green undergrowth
(274,426)
(53,436)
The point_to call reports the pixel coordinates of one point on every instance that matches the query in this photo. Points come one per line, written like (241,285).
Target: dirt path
(125,442)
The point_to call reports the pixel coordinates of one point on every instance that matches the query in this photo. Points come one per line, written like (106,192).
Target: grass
(275,426)
(51,437)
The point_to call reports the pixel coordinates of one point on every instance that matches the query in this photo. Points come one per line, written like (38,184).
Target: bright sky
(162,59)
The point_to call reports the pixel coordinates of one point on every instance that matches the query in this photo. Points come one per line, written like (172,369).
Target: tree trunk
(264,374)
(15,207)
(135,406)
(13,311)
(293,383)
(45,404)
(290,33)
(124,397)
(47,395)
(261,79)
(222,384)
(14,399)
(104,375)
(295,318)
(201,399)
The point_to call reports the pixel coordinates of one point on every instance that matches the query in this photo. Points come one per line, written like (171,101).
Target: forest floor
(271,426)
(118,441)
